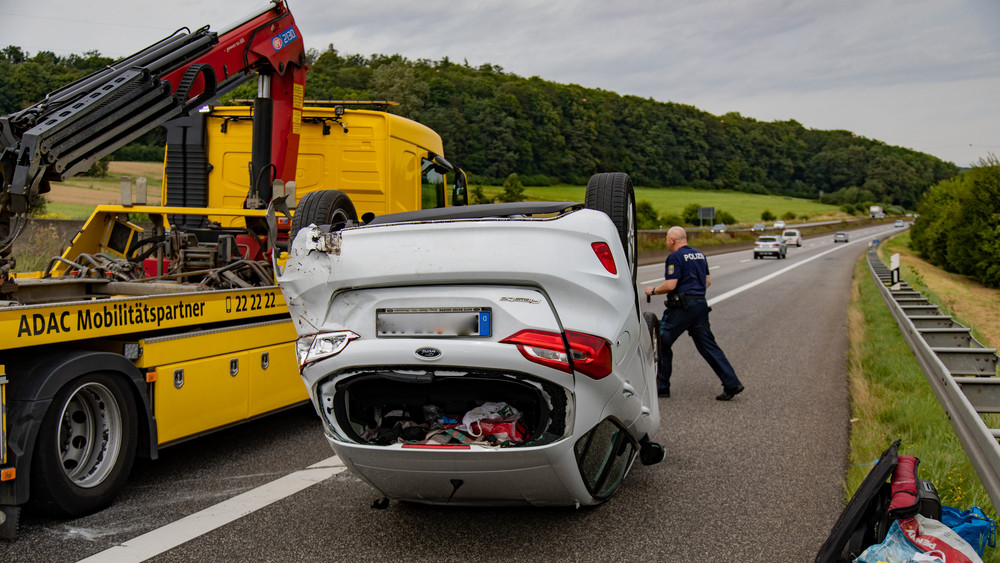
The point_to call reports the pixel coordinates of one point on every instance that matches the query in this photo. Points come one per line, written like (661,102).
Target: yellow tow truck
(161,323)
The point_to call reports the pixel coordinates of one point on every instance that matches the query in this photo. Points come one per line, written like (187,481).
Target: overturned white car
(486,354)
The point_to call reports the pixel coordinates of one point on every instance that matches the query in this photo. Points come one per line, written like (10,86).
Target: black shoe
(663,392)
(729,393)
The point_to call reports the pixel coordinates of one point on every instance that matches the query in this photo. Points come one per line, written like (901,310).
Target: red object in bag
(904,501)
(501,431)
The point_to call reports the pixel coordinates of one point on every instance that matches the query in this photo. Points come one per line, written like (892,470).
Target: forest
(495,123)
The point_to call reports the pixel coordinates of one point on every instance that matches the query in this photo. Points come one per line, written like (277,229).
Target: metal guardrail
(961,371)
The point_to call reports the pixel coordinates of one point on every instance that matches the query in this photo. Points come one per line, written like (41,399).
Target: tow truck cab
(383,162)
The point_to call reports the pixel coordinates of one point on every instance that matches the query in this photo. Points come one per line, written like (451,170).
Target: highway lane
(754,479)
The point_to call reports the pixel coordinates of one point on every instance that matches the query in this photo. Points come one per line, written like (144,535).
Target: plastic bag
(917,538)
(973,525)
(501,431)
(498,412)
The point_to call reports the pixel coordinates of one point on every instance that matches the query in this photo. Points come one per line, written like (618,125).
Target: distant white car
(841,236)
(486,354)
(792,236)
(899,223)
(779,224)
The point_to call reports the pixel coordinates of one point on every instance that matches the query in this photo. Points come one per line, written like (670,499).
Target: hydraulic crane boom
(75,126)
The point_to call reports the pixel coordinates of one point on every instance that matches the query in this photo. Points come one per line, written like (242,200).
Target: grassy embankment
(890,396)
(76,197)
(746,208)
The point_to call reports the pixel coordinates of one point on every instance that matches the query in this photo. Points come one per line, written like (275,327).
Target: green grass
(746,208)
(890,399)
(67,211)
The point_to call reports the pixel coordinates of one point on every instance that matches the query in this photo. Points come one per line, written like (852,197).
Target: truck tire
(10,518)
(612,193)
(324,207)
(85,446)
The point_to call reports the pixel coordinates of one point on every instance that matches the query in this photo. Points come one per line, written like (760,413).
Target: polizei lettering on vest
(694,256)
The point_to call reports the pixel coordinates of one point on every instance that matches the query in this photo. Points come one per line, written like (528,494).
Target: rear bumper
(542,476)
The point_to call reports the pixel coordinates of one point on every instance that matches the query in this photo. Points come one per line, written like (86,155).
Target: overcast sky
(922,74)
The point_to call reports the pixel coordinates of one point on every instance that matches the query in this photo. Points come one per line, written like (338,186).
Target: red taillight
(603,252)
(591,355)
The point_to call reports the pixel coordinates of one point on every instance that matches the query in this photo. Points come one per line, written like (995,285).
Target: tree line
(495,123)
(958,227)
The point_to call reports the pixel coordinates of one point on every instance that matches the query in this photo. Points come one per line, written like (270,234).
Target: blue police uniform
(687,310)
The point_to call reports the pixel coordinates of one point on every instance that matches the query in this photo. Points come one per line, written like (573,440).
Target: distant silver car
(779,224)
(769,245)
(758,228)
(841,236)
(718,228)
(899,223)
(486,354)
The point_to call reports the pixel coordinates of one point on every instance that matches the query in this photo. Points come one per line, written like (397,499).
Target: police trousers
(693,318)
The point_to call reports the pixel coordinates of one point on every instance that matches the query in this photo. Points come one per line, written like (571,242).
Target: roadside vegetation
(76,197)
(959,227)
(890,396)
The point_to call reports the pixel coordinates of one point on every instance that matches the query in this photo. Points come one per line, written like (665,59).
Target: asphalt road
(754,479)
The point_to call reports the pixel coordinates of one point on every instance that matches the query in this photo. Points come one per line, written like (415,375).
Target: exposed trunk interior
(405,405)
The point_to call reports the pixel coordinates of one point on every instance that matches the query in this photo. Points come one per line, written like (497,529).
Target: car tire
(612,193)
(323,207)
(653,324)
(85,447)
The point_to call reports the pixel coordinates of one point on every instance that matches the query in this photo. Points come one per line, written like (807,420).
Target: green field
(746,208)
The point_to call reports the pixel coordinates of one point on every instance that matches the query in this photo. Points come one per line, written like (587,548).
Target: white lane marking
(755,283)
(190,527)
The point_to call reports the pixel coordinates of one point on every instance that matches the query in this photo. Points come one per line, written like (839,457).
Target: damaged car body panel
(492,355)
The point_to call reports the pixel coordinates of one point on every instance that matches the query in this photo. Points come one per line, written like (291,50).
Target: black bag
(866,520)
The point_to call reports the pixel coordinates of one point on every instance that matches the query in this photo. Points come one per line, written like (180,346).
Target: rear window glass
(767,239)
(790,234)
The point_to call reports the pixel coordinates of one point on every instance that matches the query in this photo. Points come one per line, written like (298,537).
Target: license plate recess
(433,322)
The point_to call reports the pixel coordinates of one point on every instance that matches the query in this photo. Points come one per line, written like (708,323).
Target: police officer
(686,280)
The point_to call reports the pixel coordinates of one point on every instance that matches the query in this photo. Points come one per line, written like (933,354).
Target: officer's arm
(708,281)
(666,287)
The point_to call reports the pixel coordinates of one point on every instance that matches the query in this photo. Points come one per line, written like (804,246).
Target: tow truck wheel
(9,519)
(85,447)
(324,207)
(612,193)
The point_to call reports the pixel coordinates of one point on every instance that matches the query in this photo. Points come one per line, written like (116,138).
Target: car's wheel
(324,207)
(85,446)
(612,193)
